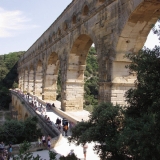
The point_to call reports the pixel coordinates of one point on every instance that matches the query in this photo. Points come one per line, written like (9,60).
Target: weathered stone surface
(115,27)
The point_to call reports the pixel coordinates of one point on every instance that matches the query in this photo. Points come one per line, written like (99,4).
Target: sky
(22,22)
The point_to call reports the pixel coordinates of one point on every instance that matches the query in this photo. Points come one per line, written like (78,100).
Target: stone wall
(115,27)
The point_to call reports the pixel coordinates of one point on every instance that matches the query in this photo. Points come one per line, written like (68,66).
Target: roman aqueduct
(115,27)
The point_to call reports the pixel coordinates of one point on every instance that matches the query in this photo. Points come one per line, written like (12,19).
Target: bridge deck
(63,147)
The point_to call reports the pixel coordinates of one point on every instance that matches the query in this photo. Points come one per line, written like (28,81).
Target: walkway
(63,147)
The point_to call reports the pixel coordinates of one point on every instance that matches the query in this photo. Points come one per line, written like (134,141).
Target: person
(48,137)
(53,105)
(85,146)
(39,142)
(65,129)
(1,147)
(64,122)
(9,151)
(71,152)
(44,140)
(49,144)
(49,121)
(57,121)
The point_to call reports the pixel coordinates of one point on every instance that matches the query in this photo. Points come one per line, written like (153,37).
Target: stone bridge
(115,27)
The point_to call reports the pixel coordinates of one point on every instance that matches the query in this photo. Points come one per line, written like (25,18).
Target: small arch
(101,1)
(53,36)
(65,26)
(59,31)
(26,116)
(39,64)
(85,10)
(49,39)
(74,19)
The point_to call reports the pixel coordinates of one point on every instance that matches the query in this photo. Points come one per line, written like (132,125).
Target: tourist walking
(49,144)
(85,147)
(9,152)
(44,140)
(39,142)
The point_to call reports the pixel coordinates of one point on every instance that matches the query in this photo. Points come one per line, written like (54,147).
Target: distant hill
(8,76)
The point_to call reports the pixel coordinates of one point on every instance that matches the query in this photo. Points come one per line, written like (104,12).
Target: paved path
(64,148)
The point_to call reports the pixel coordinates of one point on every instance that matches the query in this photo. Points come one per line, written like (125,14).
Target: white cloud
(13,21)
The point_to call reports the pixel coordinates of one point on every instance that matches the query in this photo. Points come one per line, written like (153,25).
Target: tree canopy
(8,76)
(131,131)
(17,131)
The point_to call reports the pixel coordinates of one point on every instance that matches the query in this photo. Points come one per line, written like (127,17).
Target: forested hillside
(91,80)
(8,76)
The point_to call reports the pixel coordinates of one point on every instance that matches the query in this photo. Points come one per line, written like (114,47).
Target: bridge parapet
(48,129)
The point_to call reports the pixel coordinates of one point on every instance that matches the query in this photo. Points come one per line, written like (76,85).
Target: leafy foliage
(131,132)
(69,157)
(91,80)
(103,127)
(8,76)
(18,131)
(143,113)
(25,154)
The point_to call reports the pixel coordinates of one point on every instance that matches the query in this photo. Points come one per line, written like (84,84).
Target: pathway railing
(48,128)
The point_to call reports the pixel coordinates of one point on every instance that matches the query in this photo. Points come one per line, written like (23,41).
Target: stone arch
(85,10)
(53,36)
(51,75)
(74,19)
(31,79)
(25,80)
(19,116)
(58,32)
(65,26)
(26,116)
(136,27)
(101,1)
(73,94)
(38,79)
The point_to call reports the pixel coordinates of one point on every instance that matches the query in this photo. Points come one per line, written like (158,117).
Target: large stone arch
(38,79)
(138,19)
(74,86)
(31,78)
(136,27)
(50,79)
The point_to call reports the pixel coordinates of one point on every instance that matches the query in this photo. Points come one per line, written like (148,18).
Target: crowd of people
(63,125)
(5,151)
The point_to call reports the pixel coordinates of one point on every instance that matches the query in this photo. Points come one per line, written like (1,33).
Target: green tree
(103,128)
(69,157)
(141,132)
(25,154)
(8,76)
(17,131)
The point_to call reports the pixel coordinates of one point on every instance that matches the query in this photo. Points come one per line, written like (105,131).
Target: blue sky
(22,22)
